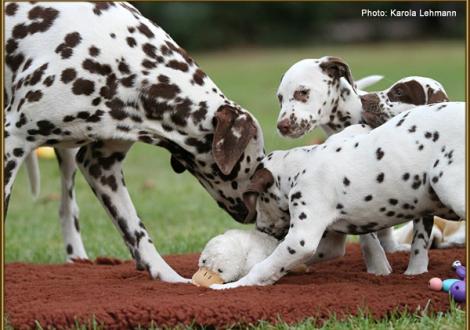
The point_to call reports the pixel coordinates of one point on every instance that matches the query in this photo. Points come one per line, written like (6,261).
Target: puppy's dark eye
(220,270)
(399,92)
(204,261)
(301,95)
(279,97)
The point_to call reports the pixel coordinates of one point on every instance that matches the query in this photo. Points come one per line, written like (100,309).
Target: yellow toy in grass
(45,152)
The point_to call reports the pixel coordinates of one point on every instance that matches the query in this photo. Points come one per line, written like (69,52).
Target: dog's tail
(32,168)
(368,81)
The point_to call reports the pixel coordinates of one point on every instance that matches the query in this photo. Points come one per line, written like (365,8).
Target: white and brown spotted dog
(322,93)
(100,77)
(378,108)
(406,93)
(315,191)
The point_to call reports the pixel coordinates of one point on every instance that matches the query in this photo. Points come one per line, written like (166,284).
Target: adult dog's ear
(261,180)
(233,130)
(436,96)
(336,68)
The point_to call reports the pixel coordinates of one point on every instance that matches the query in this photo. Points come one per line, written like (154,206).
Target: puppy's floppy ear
(436,96)
(261,180)
(336,67)
(233,130)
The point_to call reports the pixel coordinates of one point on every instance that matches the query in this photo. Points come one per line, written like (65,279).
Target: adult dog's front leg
(298,246)
(101,164)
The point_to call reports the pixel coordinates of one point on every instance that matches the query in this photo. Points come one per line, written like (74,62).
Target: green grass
(180,216)
(453,320)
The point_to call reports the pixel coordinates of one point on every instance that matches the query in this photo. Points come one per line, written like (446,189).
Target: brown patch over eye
(302,95)
(408,92)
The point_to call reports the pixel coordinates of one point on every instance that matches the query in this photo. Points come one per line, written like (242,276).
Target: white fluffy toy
(230,256)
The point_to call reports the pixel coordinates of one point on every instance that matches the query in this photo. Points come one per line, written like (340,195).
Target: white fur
(234,253)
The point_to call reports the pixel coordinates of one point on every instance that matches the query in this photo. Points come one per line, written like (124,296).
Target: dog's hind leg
(101,164)
(447,180)
(420,244)
(374,255)
(332,245)
(69,211)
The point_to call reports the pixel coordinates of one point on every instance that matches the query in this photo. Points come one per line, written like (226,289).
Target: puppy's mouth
(293,130)
(294,134)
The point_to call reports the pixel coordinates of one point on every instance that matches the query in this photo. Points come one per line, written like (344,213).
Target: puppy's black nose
(284,126)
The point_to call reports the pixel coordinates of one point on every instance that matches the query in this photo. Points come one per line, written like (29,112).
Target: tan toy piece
(444,233)
(205,278)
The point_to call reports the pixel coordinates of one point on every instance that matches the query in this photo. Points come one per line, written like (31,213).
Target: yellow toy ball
(45,152)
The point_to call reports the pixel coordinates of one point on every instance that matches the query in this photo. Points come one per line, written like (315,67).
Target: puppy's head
(379,107)
(308,92)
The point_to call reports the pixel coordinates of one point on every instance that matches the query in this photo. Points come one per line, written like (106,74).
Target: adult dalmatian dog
(371,193)
(322,93)
(100,77)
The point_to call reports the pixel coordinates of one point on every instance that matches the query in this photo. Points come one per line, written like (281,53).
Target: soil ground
(118,296)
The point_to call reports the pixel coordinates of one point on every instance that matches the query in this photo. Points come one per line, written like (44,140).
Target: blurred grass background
(180,216)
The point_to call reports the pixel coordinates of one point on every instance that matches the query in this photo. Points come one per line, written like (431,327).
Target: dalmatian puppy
(91,79)
(406,93)
(322,93)
(317,192)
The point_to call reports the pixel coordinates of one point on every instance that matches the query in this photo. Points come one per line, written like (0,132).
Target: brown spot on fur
(94,51)
(102,6)
(95,67)
(145,30)
(34,96)
(83,87)
(11,9)
(71,40)
(131,42)
(198,77)
(176,65)
(68,75)
(166,91)
(42,20)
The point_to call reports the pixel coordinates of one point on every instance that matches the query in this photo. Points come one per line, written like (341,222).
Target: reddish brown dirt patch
(121,297)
